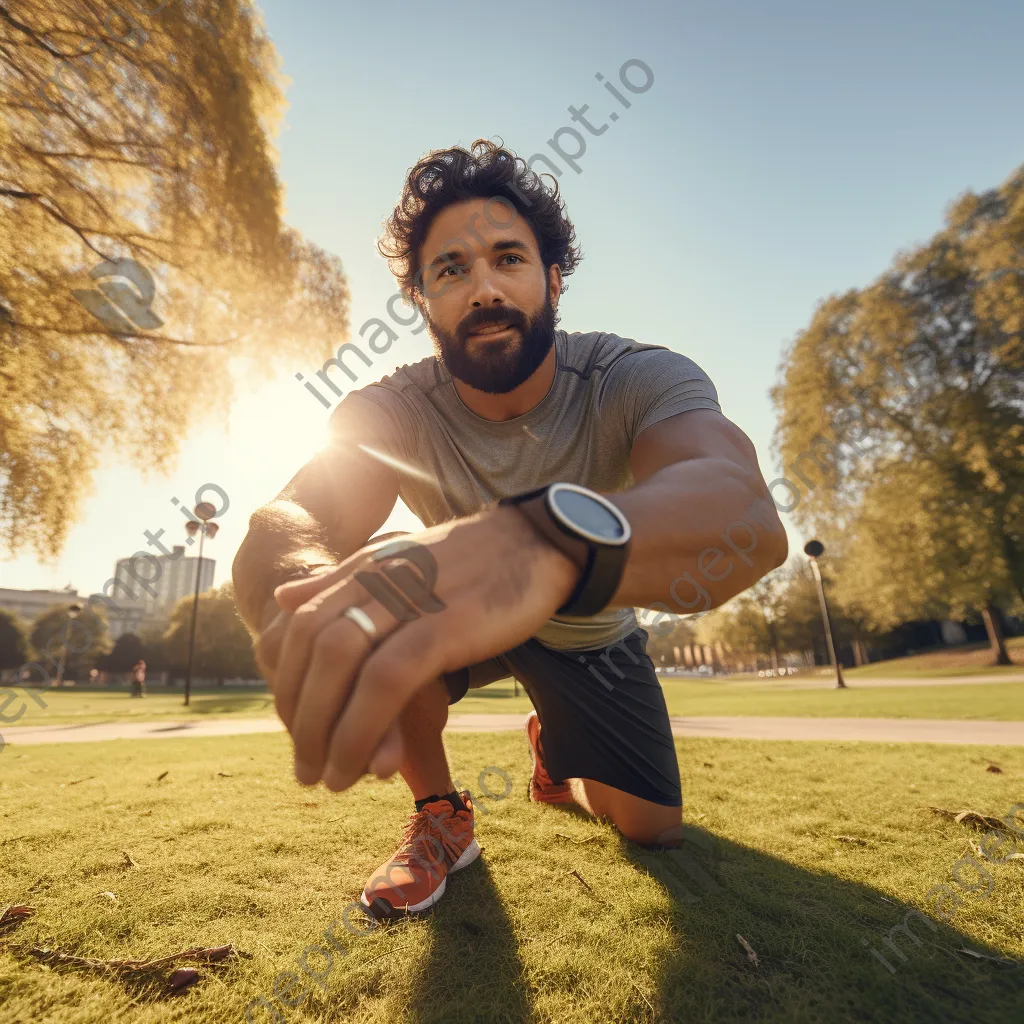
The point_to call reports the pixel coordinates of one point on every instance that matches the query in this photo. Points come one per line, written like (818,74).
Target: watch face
(587,514)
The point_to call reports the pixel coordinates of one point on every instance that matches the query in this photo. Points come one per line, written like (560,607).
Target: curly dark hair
(486,170)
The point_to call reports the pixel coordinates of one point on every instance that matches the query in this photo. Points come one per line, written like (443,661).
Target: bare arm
(329,510)
(704,525)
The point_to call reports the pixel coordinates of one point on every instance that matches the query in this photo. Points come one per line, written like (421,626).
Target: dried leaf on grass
(78,781)
(163,775)
(586,885)
(751,955)
(225,775)
(129,861)
(982,956)
(852,839)
(110,896)
(209,955)
(182,978)
(972,818)
(578,842)
(11,915)
(994,768)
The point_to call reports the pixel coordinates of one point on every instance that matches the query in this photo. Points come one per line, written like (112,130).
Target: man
(139,679)
(366,645)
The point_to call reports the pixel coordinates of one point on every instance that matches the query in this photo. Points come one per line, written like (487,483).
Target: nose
(484,286)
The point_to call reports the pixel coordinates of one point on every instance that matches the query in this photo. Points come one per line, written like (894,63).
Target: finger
(268,647)
(338,653)
(303,627)
(405,660)
(297,592)
(389,755)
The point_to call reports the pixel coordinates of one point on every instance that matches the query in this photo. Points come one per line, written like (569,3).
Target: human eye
(511,256)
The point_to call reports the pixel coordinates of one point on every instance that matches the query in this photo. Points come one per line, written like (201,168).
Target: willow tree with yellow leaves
(144,264)
(901,425)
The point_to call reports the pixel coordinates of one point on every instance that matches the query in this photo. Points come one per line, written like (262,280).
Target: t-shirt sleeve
(374,416)
(652,384)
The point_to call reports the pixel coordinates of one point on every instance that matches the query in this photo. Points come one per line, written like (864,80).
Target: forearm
(703,531)
(282,538)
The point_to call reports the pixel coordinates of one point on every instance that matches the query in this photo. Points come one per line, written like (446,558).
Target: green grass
(250,857)
(970,659)
(78,707)
(685,697)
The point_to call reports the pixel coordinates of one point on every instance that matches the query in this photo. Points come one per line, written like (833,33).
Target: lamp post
(73,611)
(813,549)
(203,511)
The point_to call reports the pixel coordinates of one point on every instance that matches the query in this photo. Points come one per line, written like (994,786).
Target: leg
(639,820)
(606,731)
(424,764)
(439,839)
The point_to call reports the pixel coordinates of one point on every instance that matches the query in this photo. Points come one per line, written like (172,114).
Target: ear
(555,283)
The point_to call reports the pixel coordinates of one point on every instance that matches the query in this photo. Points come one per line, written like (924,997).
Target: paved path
(878,730)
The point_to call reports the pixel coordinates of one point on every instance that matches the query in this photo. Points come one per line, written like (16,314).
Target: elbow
(779,546)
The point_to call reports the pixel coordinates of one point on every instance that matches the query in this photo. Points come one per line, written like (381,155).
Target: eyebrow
(502,246)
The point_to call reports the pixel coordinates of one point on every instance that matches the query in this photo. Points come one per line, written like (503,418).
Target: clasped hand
(495,583)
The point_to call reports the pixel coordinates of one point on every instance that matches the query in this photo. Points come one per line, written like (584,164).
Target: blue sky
(785,151)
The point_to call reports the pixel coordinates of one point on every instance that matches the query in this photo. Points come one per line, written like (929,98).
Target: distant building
(177,579)
(30,604)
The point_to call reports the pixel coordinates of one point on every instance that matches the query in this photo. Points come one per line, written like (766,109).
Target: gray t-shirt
(605,392)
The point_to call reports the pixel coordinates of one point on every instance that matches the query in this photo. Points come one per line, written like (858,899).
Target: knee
(661,830)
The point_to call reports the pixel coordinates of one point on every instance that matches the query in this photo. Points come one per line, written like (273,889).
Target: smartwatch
(587,528)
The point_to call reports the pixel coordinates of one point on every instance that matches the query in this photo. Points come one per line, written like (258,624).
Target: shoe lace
(423,831)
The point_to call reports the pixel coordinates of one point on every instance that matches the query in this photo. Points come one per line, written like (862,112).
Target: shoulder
(390,409)
(627,362)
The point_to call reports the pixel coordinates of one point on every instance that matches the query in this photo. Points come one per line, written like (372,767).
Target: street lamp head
(211,530)
(204,510)
(814,549)
(191,527)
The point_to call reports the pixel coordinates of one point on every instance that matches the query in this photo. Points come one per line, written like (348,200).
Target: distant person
(139,679)
(623,486)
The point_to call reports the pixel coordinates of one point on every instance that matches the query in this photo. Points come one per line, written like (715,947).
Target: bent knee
(663,830)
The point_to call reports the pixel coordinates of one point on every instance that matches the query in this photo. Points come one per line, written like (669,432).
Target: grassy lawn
(687,697)
(971,659)
(250,857)
(77,707)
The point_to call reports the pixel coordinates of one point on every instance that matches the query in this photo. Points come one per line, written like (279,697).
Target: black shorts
(602,712)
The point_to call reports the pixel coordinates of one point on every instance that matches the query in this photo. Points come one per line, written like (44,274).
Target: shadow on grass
(812,935)
(231,705)
(473,971)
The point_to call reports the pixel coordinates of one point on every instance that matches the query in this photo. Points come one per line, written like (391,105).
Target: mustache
(486,317)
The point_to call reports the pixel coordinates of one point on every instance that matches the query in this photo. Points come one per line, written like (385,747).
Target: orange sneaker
(437,841)
(542,789)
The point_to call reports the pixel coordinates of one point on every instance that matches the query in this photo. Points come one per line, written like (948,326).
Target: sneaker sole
(469,855)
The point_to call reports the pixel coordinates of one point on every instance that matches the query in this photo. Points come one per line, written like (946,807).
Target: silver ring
(362,620)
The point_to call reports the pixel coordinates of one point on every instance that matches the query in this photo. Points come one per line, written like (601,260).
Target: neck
(513,403)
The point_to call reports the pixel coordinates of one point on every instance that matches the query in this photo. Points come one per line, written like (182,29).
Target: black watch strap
(600,566)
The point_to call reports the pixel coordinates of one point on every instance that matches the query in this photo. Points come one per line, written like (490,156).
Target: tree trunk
(858,653)
(775,660)
(993,626)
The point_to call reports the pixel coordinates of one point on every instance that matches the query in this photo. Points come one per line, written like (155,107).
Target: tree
(141,242)
(901,412)
(13,642)
(81,640)
(223,644)
(128,649)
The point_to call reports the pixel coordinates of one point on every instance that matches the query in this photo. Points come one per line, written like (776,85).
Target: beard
(496,367)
